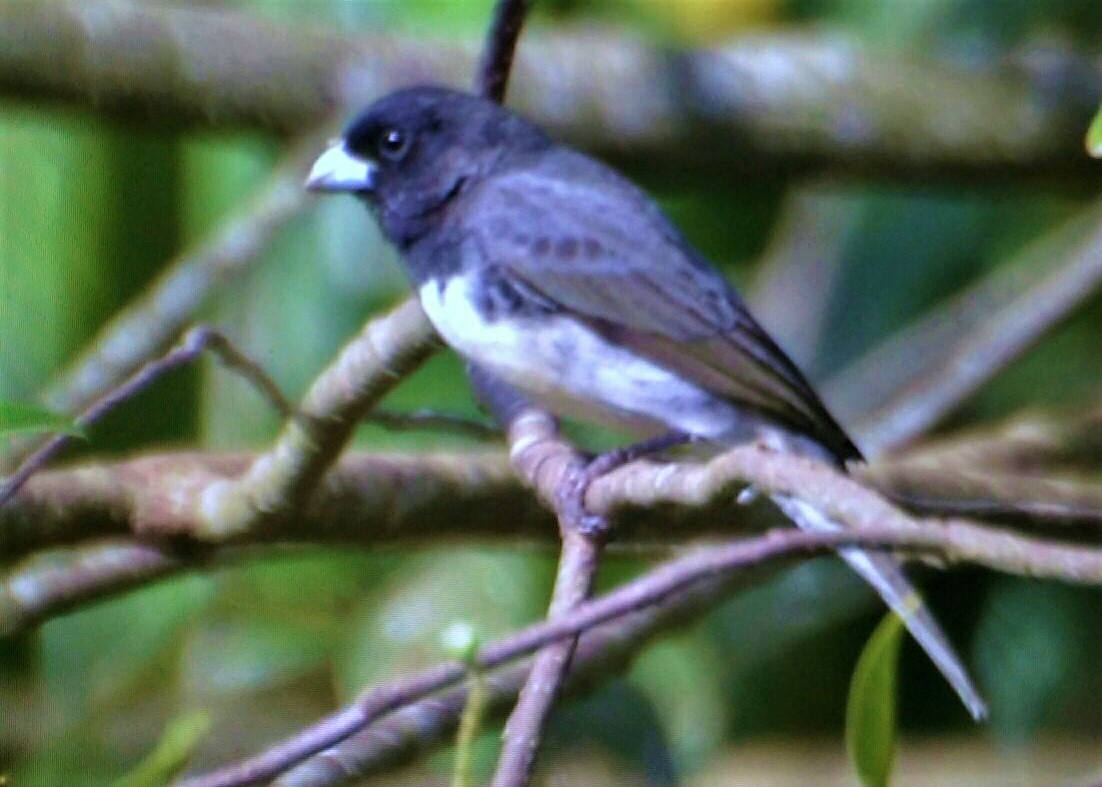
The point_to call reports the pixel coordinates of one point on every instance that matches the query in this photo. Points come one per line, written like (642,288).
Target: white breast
(572,370)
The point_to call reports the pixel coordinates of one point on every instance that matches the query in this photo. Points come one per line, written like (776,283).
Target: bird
(561,278)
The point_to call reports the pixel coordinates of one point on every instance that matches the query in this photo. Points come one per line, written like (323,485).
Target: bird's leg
(571,492)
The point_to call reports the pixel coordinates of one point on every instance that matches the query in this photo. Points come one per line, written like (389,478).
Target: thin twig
(662,581)
(659,584)
(377,702)
(579,559)
(147,326)
(415,728)
(195,342)
(281,480)
(495,65)
(336,727)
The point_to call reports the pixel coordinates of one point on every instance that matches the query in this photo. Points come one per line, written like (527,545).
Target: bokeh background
(91,209)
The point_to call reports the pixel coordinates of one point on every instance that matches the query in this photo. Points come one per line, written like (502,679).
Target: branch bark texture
(758,104)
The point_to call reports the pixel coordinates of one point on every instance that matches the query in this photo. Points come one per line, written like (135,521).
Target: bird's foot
(572,490)
(571,503)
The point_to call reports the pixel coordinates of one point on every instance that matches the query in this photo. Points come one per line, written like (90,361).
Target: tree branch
(424,724)
(280,481)
(545,461)
(496,62)
(523,734)
(368,500)
(145,328)
(1036,470)
(767,103)
(179,65)
(908,384)
(197,341)
(656,586)
(604,650)
(51,583)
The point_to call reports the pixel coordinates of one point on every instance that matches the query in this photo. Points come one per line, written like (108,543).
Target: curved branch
(52,583)
(280,481)
(601,651)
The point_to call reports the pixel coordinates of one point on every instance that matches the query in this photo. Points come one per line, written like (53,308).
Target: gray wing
(586,239)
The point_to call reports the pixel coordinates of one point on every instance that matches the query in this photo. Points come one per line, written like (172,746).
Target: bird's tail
(884,573)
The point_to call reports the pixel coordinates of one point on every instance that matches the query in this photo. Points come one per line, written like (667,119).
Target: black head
(411,152)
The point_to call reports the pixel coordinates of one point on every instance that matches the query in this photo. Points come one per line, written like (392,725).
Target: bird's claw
(571,500)
(571,492)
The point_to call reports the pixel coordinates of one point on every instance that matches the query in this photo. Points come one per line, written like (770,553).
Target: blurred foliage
(697,21)
(1093,141)
(1031,653)
(91,211)
(172,753)
(21,418)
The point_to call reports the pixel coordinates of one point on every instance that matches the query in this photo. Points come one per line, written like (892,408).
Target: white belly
(573,371)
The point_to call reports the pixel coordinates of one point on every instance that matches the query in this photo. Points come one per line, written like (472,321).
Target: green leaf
(1094,136)
(171,753)
(871,708)
(20,417)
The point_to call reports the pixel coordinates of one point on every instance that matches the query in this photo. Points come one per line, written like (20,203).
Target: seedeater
(560,277)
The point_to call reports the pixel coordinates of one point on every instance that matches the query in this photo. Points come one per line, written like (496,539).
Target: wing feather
(586,239)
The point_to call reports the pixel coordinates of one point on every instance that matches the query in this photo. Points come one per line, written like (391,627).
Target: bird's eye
(393,144)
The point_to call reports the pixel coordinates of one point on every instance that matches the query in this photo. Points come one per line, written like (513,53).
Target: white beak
(337,169)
